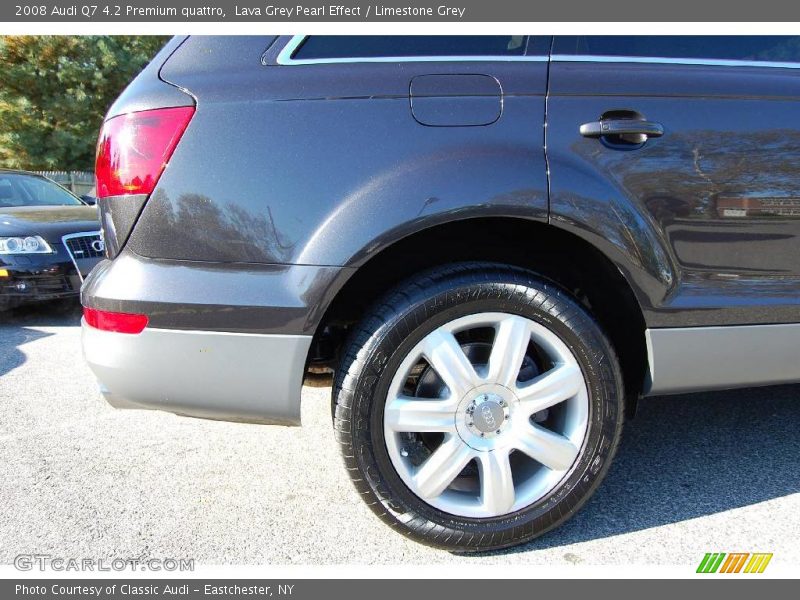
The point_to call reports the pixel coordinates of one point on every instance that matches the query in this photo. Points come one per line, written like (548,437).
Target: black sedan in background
(49,240)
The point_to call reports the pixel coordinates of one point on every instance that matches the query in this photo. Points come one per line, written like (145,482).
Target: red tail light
(113,321)
(134,148)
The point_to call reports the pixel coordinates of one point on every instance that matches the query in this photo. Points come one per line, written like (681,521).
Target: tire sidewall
(539,301)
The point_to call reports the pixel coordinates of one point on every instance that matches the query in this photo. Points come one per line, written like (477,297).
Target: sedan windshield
(17,189)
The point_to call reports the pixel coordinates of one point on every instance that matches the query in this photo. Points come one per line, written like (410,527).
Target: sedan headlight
(33,244)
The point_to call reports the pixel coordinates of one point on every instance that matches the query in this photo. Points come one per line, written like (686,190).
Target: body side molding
(688,359)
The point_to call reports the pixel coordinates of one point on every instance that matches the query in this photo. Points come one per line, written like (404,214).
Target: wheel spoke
(551,449)
(485,414)
(508,350)
(420,416)
(442,467)
(450,363)
(497,485)
(549,389)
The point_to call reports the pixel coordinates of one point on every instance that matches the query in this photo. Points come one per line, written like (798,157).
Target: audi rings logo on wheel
(486,412)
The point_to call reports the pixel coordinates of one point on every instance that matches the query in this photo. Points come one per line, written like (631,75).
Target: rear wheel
(478,407)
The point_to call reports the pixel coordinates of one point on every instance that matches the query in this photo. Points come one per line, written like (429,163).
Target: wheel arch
(561,256)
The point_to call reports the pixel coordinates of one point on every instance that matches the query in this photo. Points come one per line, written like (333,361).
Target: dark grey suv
(496,245)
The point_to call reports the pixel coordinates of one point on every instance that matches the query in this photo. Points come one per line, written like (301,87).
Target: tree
(54,91)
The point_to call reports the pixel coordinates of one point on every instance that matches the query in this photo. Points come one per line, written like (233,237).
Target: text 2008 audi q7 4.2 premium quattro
(496,244)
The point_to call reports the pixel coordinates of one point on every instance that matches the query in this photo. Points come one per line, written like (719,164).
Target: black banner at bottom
(383,589)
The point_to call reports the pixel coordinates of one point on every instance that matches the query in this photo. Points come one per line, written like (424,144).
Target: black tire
(388,332)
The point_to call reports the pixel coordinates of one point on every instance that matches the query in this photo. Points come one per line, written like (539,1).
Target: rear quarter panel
(326,165)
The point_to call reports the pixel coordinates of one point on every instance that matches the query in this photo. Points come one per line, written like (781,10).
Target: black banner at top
(185,11)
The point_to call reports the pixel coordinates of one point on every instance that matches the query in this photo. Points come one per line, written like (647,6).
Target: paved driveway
(699,473)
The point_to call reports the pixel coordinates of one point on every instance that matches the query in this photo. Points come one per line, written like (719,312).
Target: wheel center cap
(483,415)
(487,414)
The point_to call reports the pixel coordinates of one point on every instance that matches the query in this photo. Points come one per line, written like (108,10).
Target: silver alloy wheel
(487,418)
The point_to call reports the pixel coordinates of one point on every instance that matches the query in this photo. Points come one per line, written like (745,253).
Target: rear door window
(758,48)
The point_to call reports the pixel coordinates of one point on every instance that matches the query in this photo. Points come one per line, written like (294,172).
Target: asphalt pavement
(695,474)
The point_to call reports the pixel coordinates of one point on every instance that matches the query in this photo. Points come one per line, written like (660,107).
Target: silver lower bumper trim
(254,378)
(691,359)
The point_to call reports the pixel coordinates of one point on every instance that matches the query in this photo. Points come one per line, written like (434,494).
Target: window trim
(285,57)
(658,60)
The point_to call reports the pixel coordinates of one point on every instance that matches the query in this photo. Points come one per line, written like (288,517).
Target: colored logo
(734,562)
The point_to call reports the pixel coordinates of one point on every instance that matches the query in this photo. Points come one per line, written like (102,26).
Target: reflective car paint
(342,170)
(707,217)
(321,153)
(45,276)
(50,222)
(240,297)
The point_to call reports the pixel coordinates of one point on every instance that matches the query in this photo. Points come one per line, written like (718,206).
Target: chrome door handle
(596,129)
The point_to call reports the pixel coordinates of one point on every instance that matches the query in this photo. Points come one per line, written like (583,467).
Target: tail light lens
(114,321)
(134,148)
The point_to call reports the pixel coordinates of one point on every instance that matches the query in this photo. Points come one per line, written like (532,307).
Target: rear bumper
(254,378)
(223,341)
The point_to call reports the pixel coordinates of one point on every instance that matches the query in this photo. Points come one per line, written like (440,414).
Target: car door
(683,155)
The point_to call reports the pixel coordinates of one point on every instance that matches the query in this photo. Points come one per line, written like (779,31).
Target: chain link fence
(78,182)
